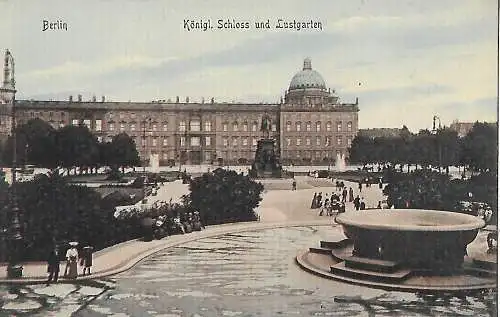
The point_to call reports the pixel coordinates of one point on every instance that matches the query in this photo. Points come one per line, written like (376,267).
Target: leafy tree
(225,196)
(77,147)
(122,152)
(479,148)
(35,144)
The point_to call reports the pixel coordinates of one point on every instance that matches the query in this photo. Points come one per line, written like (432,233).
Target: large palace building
(310,124)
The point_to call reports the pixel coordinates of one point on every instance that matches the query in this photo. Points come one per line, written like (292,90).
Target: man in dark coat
(53,265)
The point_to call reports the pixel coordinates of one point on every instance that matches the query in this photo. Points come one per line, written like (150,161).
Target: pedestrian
(86,259)
(356,202)
(362,205)
(53,262)
(351,195)
(313,202)
(71,270)
(344,195)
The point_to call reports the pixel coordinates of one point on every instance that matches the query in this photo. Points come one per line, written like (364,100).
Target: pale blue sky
(405,60)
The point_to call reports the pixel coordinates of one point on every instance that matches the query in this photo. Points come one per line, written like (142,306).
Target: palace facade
(309,124)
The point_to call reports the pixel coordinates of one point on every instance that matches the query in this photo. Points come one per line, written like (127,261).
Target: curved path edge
(156,246)
(302,261)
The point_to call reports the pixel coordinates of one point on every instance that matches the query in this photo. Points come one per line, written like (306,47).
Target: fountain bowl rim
(356,219)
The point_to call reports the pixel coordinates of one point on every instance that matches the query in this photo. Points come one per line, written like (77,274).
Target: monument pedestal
(266,164)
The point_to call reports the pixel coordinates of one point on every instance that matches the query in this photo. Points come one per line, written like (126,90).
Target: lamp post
(144,153)
(14,268)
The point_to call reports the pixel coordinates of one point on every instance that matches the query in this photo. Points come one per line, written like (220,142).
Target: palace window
(183,141)
(208,126)
(298,126)
(195,141)
(254,127)
(224,127)
(182,126)
(208,140)
(245,126)
(235,126)
(349,126)
(165,141)
(195,126)
(318,126)
(225,142)
(328,126)
(98,125)
(288,126)
(339,126)
(308,126)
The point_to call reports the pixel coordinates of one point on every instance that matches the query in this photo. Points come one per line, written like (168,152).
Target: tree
(77,147)
(225,196)
(479,148)
(122,152)
(35,144)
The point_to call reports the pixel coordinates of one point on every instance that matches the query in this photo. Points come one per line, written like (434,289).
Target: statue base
(266,163)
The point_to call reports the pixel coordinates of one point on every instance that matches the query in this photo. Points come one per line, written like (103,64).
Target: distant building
(379,132)
(462,128)
(310,124)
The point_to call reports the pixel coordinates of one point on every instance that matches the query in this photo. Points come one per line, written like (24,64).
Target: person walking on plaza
(362,205)
(53,265)
(351,195)
(313,202)
(86,259)
(71,270)
(356,202)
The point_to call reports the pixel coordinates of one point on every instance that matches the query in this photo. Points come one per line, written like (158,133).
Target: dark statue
(266,163)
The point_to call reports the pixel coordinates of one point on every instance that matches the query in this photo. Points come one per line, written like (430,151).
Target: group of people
(73,255)
(329,205)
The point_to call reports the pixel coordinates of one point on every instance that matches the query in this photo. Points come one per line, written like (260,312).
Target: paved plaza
(280,207)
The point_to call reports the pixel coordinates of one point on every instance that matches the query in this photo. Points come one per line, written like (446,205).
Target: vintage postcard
(248,158)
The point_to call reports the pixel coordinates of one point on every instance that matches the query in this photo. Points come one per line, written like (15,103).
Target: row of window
(327,141)
(298,126)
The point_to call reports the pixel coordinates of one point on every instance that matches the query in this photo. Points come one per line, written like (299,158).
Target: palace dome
(307,78)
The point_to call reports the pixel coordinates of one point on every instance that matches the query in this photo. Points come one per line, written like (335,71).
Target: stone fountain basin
(419,239)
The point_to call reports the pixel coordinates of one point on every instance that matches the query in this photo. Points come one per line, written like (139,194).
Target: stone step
(480,272)
(320,250)
(362,263)
(335,244)
(485,263)
(394,277)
